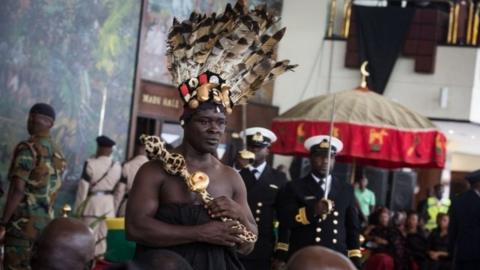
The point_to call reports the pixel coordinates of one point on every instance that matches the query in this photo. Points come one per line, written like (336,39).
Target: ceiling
(462,138)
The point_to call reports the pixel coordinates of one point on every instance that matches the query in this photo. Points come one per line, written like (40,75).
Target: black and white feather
(237,45)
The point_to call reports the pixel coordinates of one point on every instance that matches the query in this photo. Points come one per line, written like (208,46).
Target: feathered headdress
(224,58)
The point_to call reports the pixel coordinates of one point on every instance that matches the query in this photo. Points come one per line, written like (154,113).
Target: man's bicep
(22,165)
(143,197)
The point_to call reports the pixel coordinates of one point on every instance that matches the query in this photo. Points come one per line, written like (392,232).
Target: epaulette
(26,145)
(20,147)
(85,175)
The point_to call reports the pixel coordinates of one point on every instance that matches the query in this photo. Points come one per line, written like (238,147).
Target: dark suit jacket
(339,231)
(464,227)
(262,199)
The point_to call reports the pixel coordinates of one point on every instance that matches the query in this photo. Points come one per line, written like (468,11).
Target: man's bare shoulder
(152,170)
(230,173)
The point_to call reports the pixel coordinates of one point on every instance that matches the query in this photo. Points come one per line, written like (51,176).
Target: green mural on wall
(77,55)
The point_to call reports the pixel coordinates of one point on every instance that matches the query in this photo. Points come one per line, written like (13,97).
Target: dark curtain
(381,33)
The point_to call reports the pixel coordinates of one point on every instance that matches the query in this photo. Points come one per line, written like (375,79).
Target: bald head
(65,243)
(319,258)
(160,259)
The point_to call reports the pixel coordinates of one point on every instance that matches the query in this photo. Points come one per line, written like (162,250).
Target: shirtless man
(150,220)
(217,61)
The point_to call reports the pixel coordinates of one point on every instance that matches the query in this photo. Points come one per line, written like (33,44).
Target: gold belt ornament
(174,164)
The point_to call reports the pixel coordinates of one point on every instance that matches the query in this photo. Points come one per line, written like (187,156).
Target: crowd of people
(400,241)
(407,239)
(286,216)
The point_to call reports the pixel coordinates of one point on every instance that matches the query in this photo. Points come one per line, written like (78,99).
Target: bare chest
(175,190)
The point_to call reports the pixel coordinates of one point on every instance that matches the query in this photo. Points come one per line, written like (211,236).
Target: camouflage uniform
(40,165)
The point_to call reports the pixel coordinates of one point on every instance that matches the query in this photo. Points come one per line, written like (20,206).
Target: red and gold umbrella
(375,131)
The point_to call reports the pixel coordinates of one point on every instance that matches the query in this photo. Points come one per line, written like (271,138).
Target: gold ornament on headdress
(225,57)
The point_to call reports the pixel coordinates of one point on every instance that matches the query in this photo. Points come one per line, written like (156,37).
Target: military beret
(43,109)
(473,177)
(105,141)
(258,136)
(319,144)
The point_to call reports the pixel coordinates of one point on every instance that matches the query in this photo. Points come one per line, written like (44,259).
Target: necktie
(255,173)
(322,190)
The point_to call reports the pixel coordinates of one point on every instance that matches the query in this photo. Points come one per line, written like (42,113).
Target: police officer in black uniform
(263,184)
(319,209)
(464,227)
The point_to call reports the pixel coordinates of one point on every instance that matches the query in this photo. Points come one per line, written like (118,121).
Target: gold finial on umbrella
(365,74)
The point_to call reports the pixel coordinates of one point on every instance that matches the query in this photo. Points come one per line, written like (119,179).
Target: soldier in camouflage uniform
(35,177)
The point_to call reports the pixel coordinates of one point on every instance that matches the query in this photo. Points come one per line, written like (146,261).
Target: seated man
(65,243)
(154,259)
(319,258)
(162,211)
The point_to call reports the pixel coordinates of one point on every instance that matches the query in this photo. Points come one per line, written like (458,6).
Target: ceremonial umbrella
(375,131)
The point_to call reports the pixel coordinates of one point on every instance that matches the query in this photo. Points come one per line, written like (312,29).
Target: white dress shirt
(259,170)
(327,184)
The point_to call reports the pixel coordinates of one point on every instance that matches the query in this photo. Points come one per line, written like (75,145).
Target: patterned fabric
(17,257)
(40,165)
